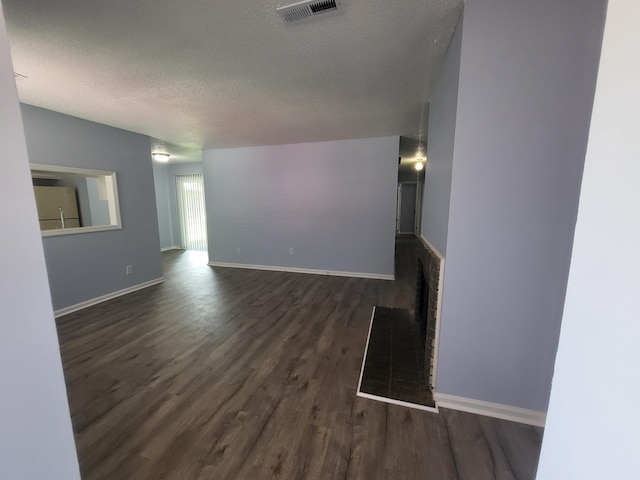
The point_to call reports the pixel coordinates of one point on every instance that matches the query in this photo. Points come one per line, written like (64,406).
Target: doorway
(406,208)
(191,212)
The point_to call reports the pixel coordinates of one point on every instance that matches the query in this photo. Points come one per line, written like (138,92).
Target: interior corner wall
(593,422)
(526,84)
(161,180)
(333,202)
(85,266)
(36,437)
(442,129)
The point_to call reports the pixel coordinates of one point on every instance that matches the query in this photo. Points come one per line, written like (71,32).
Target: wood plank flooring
(238,374)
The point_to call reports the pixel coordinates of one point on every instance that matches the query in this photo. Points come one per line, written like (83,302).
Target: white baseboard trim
(94,301)
(175,247)
(495,410)
(333,273)
(400,403)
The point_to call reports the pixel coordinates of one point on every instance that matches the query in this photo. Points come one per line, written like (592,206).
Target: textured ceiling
(199,74)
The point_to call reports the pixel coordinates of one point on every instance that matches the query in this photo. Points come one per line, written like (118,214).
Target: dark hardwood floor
(224,373)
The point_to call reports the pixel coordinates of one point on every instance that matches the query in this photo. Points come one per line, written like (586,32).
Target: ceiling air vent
(307,10)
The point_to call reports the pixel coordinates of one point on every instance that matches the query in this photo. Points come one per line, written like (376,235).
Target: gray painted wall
(598,438)
(85,266)
(442,129)
(194,168)
(333,202)
(527,77)
(163,205)
(36,438)
(99,208)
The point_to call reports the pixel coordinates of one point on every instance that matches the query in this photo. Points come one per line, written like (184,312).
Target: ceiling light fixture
(420,152)
(161,157)
(419,166)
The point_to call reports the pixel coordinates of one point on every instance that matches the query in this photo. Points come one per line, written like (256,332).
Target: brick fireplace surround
(427,306)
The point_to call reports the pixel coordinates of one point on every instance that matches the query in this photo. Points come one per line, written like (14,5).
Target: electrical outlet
(291,251)
(237,250)
(129,269)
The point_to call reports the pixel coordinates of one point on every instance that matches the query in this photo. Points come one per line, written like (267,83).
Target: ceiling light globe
(161,157)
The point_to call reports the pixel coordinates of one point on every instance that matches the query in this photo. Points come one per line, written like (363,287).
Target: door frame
(416,208)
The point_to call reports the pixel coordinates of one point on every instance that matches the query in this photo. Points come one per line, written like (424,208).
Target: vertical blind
(193,220)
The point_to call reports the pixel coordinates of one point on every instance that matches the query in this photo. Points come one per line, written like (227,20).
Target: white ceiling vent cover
(308,10)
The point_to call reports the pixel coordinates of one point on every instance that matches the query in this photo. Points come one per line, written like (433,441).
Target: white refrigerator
(57,207)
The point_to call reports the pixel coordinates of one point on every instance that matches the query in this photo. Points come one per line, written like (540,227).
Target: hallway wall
(526,81)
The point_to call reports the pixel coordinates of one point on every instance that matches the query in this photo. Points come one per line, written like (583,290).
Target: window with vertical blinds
(193,220)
